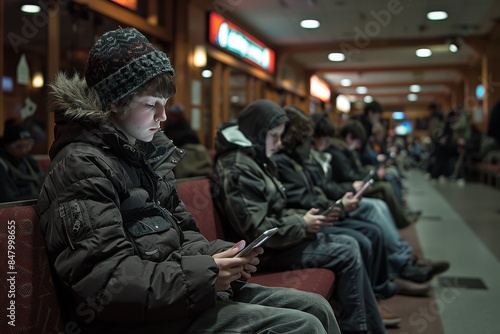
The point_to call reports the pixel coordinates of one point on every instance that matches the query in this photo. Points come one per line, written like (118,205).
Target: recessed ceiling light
(423,53)
(336,56)
(415,88)
(361,90)
(437,15)
(206,74)
(345,82)
(412,97)
(453,47)
(309,24)
(368,99)
(30,9)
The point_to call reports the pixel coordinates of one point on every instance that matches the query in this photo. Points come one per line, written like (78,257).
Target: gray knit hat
(121,61)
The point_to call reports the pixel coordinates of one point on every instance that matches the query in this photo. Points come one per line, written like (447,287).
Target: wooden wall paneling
(2,22)
(53,55)
(215,108)
(226,77)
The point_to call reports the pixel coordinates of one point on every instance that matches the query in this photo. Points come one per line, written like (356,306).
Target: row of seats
(27,279)
(488,169)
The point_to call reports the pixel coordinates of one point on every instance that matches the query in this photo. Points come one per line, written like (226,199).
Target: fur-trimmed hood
(79,117)
(72,98)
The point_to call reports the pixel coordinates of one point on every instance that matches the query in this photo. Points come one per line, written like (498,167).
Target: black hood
(258,118)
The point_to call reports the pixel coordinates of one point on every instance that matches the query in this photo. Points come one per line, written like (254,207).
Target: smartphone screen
(257,242)
(363,188)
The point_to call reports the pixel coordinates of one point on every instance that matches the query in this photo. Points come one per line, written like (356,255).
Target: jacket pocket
(148,225)
(76,222)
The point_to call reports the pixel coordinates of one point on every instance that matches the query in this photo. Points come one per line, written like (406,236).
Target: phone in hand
(363,188)
(259,241)
(369,176)
(330,209)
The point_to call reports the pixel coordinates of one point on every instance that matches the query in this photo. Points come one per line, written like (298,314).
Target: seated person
(126,255)
(197,161)
(252,200)
(20,174)
(346,167)
(401,258)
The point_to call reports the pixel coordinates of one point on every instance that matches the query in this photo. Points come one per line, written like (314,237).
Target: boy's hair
(160,86)
(323,126)
(299,127)
(374,107)
(355,129)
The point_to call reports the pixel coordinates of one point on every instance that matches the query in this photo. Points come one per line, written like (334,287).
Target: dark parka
(251,198)
(124,250)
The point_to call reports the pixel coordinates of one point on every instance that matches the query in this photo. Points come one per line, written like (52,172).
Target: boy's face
(143,118)
(273,139)
(321,143)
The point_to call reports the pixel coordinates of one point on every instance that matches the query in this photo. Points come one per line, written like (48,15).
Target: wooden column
(491,80)
(181,54)
(215,108)
(226,76)
(2,23)
(53,55)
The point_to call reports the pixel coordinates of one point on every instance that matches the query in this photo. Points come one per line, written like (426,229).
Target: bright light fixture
(37,81)
(437,15)
(336,56)
(30,9)
(412,97)
(309,24)
(415,88)
(453,47)
(368,99)
(343,104)
(345,82)
(423,53)
(206,74)
(361,90)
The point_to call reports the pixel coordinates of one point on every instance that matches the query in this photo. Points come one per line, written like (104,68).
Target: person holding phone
(251,199)
(406,272)
(126,255)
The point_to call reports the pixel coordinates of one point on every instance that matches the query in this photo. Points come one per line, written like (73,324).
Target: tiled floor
(462,225)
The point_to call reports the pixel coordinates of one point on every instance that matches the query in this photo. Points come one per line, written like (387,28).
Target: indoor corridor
(462,225)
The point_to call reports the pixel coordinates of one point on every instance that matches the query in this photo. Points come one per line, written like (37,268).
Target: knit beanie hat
(14,132)
(121,61)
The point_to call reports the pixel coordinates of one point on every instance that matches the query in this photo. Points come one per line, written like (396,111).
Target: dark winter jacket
(124,250)
(19,180)
(251,198)
(345,165)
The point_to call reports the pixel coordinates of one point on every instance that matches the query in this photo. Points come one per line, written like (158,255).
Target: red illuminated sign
(228,36)
(320,89)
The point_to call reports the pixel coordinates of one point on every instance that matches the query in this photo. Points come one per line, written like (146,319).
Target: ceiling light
(345,82)
(412,97)
(206,74)
(437,15)
(423,53)
(368,99)
(30,9)
(415,88)
(336,56)
(453,47)
(361,90)
(309,24)
(342,103)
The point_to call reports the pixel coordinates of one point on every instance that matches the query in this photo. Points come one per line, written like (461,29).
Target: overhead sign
(228,36)
(320,89)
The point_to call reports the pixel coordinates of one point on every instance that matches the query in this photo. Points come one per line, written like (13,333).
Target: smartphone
(369,176)
(363,188)
(330,209)
(257,242)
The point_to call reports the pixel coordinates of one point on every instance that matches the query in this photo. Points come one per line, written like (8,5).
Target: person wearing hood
(251,200)
(126,255)
(20,174)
